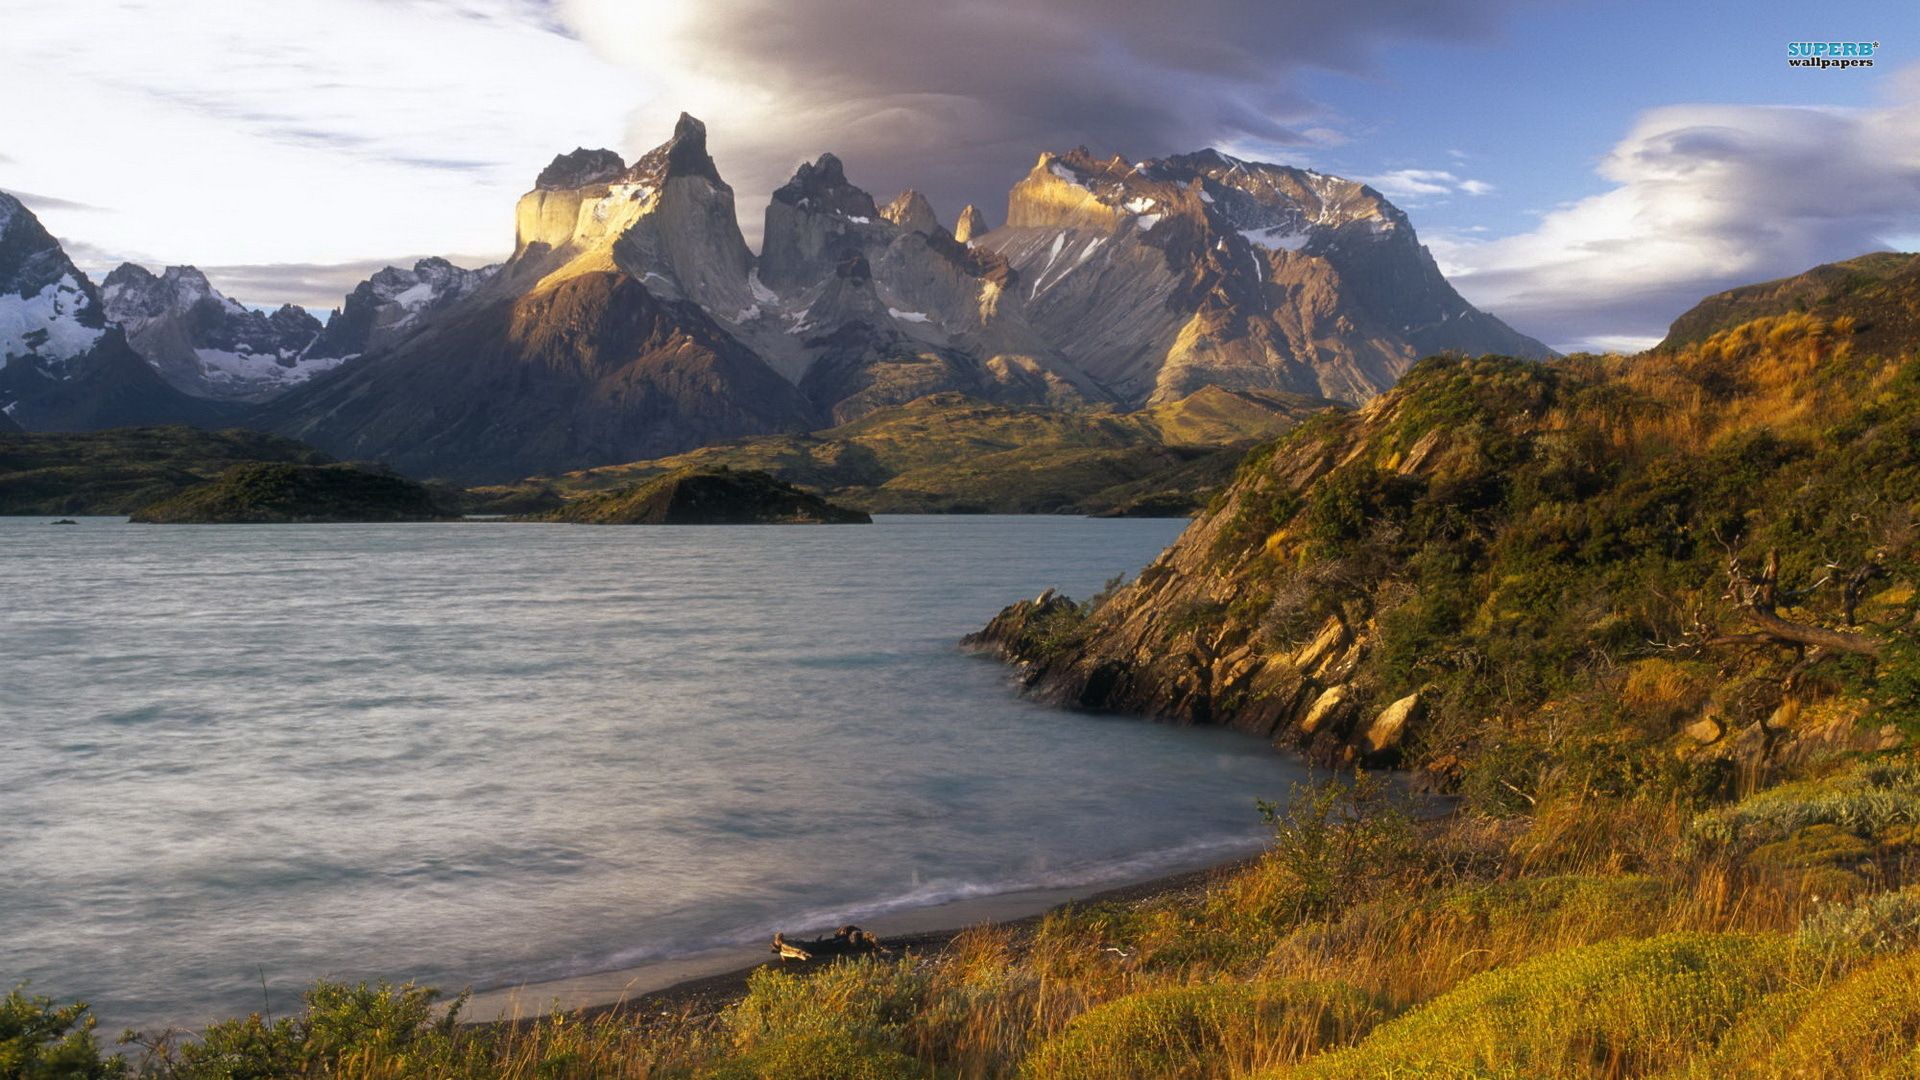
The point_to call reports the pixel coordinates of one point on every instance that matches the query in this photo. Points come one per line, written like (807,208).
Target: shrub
(858,1002)
(1868,798)
(380,1028)
(1628,903)
(1199,1032)
(40,1040)
(1883,923)
(1618,1008)
(1332,843)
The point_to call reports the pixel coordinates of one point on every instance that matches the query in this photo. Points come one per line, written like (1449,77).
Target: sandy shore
(719,976)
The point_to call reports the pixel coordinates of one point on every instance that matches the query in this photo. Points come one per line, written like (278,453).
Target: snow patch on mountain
(47,324)
(1277,238)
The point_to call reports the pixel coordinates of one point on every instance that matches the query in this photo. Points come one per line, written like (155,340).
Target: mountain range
(632,321)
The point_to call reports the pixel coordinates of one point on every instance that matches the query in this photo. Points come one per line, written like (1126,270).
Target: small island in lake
(287,493)
(707,496)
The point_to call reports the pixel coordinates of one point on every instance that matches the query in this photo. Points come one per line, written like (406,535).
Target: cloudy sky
(1583,168)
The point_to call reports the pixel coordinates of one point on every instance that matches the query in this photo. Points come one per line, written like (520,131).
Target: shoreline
(709,979)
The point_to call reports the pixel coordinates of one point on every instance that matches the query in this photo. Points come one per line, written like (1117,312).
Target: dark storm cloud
(957,96)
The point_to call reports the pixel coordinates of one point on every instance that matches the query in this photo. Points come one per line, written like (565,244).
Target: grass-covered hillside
(118,471)
(1651,621)
(949,453)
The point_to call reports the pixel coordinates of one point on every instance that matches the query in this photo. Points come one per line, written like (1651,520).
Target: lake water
(483,753)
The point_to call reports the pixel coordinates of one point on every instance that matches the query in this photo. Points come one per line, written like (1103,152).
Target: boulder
(1324,708)
(1390,727)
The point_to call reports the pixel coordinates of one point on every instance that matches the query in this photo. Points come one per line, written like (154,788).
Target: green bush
(382,1028)
(40,1040)
(1621,1008)
(1200,1032)
(1332,843)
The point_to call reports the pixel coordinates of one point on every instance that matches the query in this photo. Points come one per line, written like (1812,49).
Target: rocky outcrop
(911,211)
(971,225)
(278,493)
(1187,641)
(705,497)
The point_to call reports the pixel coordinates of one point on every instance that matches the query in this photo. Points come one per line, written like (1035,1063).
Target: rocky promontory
(719,496)
(286,493)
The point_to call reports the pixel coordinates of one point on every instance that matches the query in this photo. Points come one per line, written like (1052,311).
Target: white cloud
(1705,197)
(322,131)
(1416,183)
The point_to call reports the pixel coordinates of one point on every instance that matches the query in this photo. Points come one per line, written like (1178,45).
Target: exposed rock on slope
(705,496)
(275,493)
(63,367)
(1490,540)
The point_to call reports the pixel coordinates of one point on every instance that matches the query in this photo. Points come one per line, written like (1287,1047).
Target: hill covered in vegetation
(948,453)
(704,496)
(119,470)
(285,493)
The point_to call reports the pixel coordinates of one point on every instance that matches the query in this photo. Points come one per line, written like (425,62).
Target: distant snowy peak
(208,344)
(394,303)
(49,311)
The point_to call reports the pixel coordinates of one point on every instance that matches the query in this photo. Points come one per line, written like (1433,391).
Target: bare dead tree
(1759,596)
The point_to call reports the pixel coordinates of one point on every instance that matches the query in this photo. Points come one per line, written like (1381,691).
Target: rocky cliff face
(63,366)
(1155,278)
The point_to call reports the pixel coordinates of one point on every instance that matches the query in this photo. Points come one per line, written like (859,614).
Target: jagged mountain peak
(822,185)
(684,154)
(911,211)
(63,366)
(132,290)
(970,224)
(50,314)
(207,344)
(579,169)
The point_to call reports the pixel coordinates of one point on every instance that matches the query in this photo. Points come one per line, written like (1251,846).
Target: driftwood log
(849,940)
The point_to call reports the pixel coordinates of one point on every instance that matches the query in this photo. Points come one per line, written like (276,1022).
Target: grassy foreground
(1603,936)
